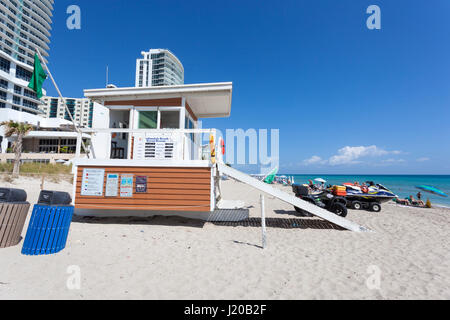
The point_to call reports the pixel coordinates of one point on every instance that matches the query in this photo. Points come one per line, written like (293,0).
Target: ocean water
(401,185)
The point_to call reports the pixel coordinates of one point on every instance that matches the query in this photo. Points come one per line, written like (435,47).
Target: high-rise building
(24,26)
(158,67)
(80,109)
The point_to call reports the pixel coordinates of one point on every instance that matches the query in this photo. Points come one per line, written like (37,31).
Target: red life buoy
(223,147)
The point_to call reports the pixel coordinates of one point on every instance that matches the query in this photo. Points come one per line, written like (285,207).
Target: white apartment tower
(24,26)
(159,67)
(81,110)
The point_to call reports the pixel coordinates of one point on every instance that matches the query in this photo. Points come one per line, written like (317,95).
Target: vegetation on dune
(38,169)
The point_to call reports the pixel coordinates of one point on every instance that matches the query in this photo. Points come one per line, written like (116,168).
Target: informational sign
(92,182)
(139,147)
(112,185)
(126,185)
(141,184)
(161,146)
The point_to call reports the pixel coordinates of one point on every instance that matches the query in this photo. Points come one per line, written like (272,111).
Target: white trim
(212,200)
(111,130)
(185,88)
(159,109)
(74,187)
(55,134)
(211,99)
(120,107)
(142,163)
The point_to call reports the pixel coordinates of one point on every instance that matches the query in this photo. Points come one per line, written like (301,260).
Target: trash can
(49,224)
(13,213)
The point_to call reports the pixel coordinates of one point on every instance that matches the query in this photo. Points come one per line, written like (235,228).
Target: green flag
(38,77)
(271,176)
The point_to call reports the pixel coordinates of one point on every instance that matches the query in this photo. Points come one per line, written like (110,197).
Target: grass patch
(38,168)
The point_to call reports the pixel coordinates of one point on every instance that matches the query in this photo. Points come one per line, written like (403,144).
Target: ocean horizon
(402,185)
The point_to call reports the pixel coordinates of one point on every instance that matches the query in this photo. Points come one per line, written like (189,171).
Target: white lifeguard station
(148,152)
(147,156)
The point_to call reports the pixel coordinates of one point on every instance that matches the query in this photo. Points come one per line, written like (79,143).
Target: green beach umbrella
(271,176)
(432,190)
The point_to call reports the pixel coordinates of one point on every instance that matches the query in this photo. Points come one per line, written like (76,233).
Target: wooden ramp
(308,207)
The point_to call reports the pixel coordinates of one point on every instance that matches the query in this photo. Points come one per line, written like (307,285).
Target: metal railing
(190,142)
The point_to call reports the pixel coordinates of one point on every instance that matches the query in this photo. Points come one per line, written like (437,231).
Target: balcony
(149,144)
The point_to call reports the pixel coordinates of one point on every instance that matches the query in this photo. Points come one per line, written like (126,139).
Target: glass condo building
(159,67)
(81,109)
(24,26)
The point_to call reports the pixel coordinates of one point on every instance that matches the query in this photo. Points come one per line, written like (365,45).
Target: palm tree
(21,130)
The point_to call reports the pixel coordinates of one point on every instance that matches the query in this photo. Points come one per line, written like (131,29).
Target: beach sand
(178,258)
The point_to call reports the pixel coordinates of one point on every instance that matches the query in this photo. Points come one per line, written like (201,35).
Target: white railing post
(263,222)
(78,145)
(108,140)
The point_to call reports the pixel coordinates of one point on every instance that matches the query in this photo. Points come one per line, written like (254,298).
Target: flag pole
(64,101)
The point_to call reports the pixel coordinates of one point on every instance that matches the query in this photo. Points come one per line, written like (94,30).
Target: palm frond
(15,128)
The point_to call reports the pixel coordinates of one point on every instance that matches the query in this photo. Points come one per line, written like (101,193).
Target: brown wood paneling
(169,102)
(142,207)
(168,188)
(189,110)
(132,148)
(161,196)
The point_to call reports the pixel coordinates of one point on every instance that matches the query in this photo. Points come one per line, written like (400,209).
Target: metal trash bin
(48,228)
(12,195)
(13,214)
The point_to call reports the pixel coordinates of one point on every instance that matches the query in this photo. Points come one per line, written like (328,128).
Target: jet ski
(370,196)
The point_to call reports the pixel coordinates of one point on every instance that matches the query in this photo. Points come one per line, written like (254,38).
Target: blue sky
(345,98)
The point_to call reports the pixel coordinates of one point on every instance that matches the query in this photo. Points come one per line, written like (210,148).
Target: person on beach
(364,188)
(311,186)
(404,202)
(416,202)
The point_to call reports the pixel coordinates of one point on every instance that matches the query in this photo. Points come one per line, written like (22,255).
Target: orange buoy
(212,148)
(223,146)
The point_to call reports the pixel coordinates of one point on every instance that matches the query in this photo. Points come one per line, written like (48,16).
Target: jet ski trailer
(368,198)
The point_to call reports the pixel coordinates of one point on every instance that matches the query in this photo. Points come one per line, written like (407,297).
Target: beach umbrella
(432,190)
(320,180)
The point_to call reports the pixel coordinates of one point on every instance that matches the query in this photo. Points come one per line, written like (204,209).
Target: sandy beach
(178,258)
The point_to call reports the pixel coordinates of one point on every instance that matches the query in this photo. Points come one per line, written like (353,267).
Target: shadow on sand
(155,221)
(281,223)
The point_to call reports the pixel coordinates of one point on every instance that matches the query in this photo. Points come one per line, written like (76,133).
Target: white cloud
(353,155)
(350,155)
(423,159)
(313,160)
(393,160)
